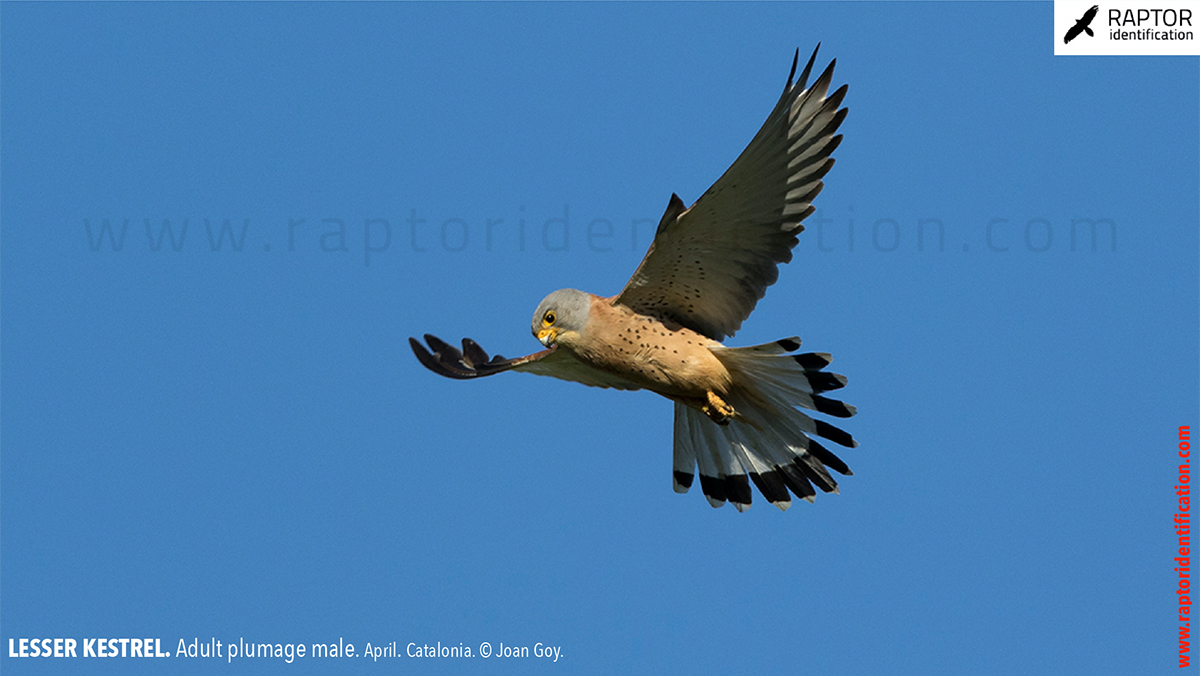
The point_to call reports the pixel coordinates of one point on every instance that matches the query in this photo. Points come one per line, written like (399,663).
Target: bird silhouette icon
(1081,26)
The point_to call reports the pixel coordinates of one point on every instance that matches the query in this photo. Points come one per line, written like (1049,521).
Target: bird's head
(561,317)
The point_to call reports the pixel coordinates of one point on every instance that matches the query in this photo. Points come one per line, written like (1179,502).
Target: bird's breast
(672,362)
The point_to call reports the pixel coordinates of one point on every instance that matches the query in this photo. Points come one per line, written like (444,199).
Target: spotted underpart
(669,359)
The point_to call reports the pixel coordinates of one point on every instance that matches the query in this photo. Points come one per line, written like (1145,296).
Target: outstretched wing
(472,362)
(710,264)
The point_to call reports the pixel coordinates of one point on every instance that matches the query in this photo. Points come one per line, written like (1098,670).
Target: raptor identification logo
(1126,28)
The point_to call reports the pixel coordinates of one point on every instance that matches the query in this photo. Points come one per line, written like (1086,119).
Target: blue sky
(199,440)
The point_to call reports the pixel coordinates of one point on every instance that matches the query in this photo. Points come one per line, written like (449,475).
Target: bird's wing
(472,362)
(1090,14)
(710,264)
(1073,32)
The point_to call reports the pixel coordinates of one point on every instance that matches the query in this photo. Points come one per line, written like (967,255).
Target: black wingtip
(795,479)
(713,489)
(416,346)
(675,206)
(828,458)
(795,62)
(789,344)
(446,360)
(813,361)
(827,74)
(816,474)
(474,355)
(737,489)
(835,434)
(803,81)
(427,359)
(833,407)
(824,381)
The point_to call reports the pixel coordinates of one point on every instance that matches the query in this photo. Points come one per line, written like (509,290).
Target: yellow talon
(717,409)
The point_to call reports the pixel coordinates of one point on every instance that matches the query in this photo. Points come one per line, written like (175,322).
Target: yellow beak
(548,336)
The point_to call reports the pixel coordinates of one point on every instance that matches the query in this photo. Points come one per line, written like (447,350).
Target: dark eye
(549,318)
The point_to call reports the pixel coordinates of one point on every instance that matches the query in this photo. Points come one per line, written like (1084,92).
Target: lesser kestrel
(736,409)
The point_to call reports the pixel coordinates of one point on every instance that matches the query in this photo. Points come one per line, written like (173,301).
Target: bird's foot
(717,409)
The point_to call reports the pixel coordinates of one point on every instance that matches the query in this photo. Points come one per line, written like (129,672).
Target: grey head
(561,317)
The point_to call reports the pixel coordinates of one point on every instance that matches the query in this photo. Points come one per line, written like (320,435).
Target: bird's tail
(768,442)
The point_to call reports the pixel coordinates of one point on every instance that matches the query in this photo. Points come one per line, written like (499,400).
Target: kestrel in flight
(736,409)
